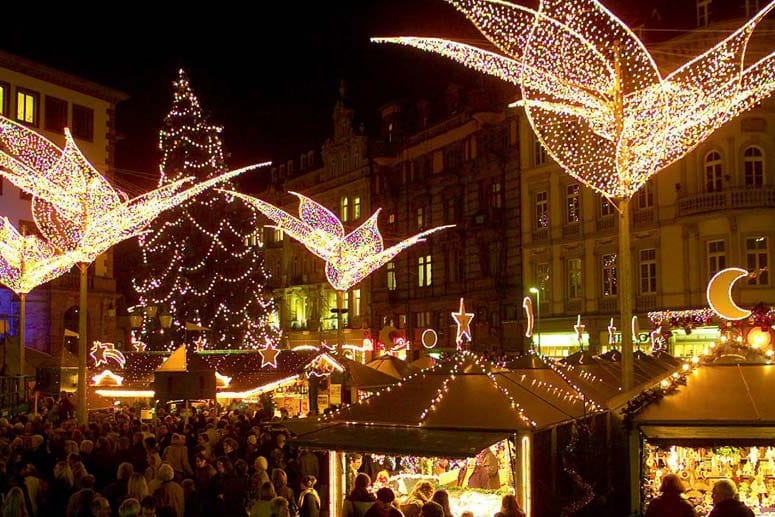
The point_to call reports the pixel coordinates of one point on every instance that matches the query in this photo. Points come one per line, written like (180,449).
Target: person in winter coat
(309,500)
(670,503)
(725,502)
(176,454)
(166,491)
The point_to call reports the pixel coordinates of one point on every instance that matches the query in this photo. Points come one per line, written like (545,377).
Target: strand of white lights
(593,93)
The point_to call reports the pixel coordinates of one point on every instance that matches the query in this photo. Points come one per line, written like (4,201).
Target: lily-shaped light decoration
(73,205)
(594,95)
(349,258)
(26,261)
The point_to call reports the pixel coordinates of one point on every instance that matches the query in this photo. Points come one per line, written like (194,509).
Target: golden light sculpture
(349,258)
(593,93)
(719,293)
(74,206)
(598,103)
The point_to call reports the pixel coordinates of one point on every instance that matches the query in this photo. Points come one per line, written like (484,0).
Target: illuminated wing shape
(343,272)
(593,94)
(27,261)
(321,239)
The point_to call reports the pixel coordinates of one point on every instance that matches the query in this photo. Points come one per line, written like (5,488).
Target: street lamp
(538,315)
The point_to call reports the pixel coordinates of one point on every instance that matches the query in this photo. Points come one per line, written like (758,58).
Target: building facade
(714,208)
(48,100)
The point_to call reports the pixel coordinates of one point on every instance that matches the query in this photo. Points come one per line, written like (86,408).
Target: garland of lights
(222,285)
(594,95)
(349,258)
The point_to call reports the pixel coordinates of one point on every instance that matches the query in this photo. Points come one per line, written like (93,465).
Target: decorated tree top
(593,93)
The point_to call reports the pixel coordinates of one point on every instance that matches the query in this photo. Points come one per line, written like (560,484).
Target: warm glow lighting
(323,365)
(258,390)
(74,206)
(131,394)
(107,378)
(429,338)
(102,353)
(527,305)
(305,348)
(719,294)
(349,258)
(594,95)
(463,322)
(222,380)
(526,475)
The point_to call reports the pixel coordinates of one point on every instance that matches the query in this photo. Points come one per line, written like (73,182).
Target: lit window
(27,107)
(356,303)
(543,277)
(356,208)
(645,196)
(606,207)
(757,260)
(424,271)
(609,275)
(392,218)
(572,204)
(344,205)
(542,209)
(753,164)
(717,257)
(4,95)
(278,235)
(496,195)
(391,276)
(420,217)
(574,278)
(648,271)
(713,173)
(423,319)
(539,153)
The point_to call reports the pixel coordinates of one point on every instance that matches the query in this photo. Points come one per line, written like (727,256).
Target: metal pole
(625,290)
(538,318)
(22,339)
(82,350)
(339,298)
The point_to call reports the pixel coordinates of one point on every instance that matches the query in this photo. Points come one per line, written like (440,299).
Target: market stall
(718,422)
(449,425)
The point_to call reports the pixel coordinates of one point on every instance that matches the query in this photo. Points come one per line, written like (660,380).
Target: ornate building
(713,209)
(49,100)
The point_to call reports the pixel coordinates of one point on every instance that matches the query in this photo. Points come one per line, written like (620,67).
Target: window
(496,195)
(606,207)
(645,196)
(717,257)
(450,209)
(452,267)
(27,107)
(356,311)
(422,218)
(356,208)
(423,319)
(753,164)
(757,260)
(648,271)
(713,174)
(574,278)
(55,114)
(703,12)
(392,218)
(572,204)
(543,277)
(539,153)
(344,209)
(424,271)
(303,162)
(278,235)
(5,94)
(391,276)
(542,209)
(609,275)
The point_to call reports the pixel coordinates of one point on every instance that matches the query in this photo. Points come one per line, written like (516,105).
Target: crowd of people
(232,463)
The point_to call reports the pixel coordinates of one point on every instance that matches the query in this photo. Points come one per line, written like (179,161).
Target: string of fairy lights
(198,257)
(595,96)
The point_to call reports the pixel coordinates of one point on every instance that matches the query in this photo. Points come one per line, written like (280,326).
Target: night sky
(270,77)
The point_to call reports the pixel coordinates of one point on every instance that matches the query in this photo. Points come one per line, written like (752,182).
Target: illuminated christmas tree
(201,262)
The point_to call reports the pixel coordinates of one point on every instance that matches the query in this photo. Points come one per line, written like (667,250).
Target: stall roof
(391,365)
(716,395)
(363,376)
(448,443)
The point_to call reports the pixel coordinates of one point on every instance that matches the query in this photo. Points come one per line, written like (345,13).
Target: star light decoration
(103,353)
(269,357)
(74,206)
(611,333)
(349,258)
(578,328)
(463,322)
(594,95)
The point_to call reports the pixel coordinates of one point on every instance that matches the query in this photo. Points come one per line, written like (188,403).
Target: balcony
(643,217)
(571,230)
(541,234)
(609,304)
(606,224)
(646,302)
(574,306)
(755,197)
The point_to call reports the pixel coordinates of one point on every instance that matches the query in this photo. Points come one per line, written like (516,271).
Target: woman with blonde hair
(137,487)
(60,489)
(262,505)
(420,494)
(510,507)
(14,505)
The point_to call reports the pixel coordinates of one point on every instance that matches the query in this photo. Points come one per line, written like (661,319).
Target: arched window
(753,165)
(713,174)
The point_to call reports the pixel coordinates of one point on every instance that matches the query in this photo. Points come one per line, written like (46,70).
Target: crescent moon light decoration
(719,294)
(527,304)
